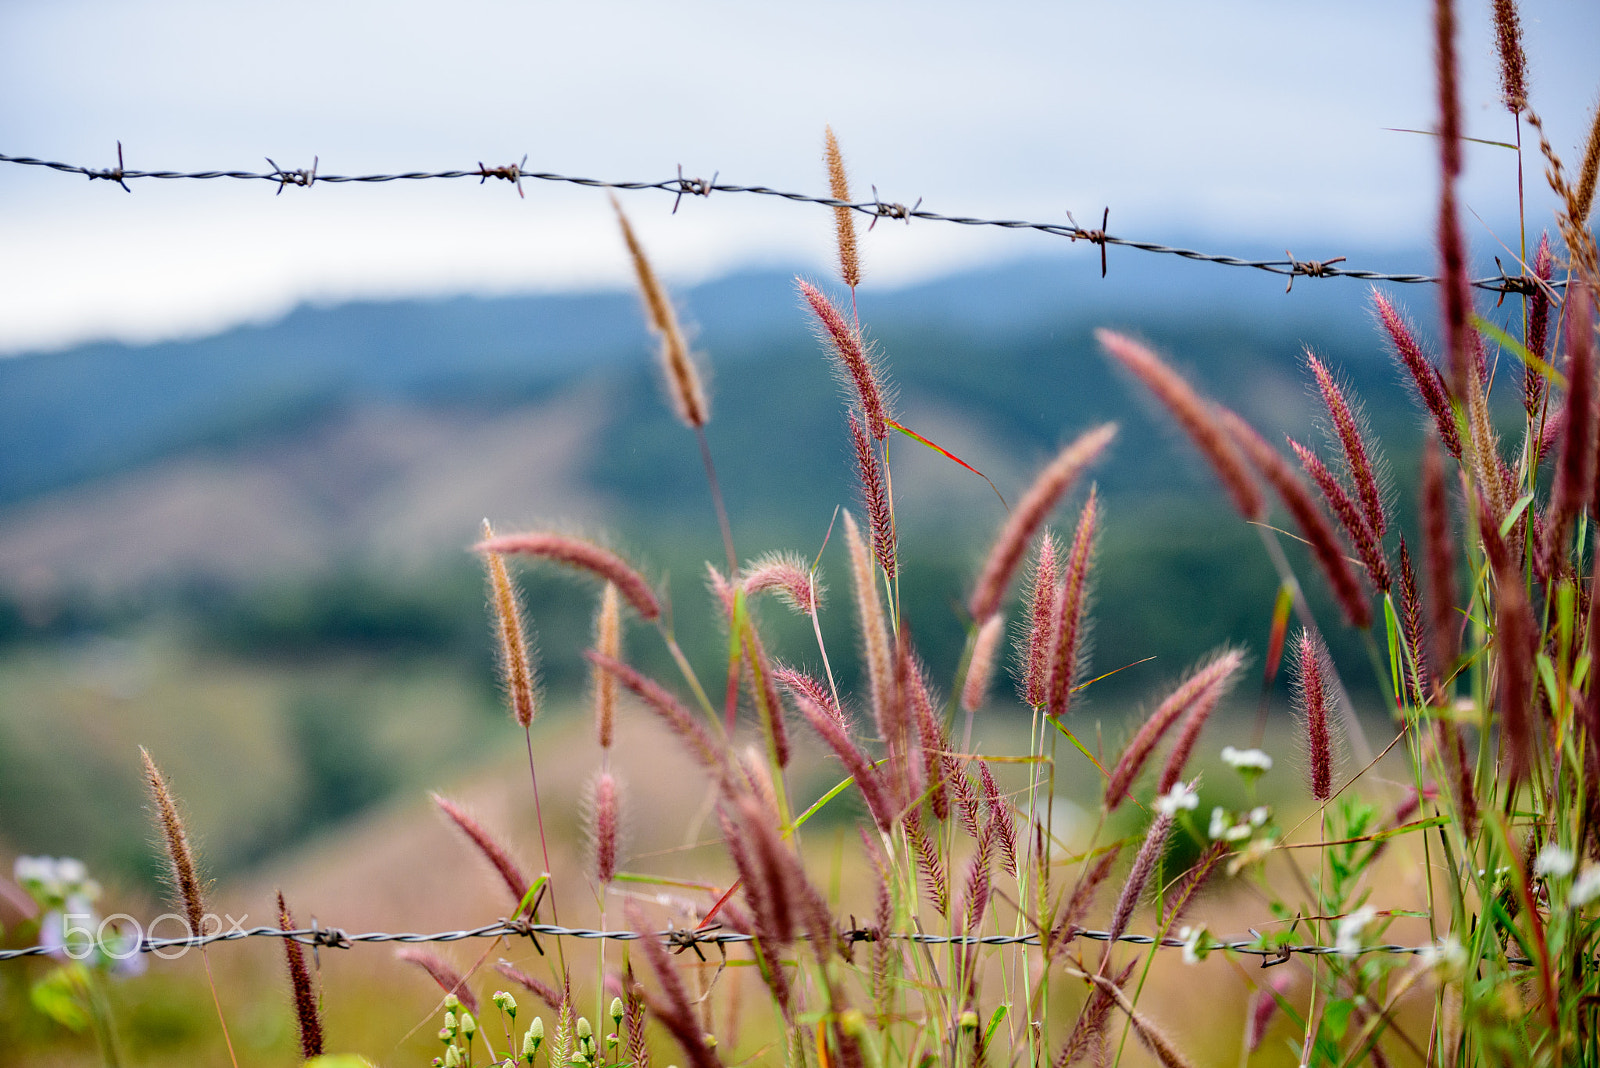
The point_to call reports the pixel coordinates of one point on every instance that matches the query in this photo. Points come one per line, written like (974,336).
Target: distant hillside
(101,408)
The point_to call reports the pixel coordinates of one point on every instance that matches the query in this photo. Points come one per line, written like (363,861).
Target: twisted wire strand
(680,187)
(682,938)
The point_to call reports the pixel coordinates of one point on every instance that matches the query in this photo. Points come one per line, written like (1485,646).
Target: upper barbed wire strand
(877,209)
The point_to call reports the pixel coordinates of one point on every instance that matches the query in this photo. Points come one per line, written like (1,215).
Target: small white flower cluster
(1555,863)
(1182,797)
(1446,956)
(1247,762)
(1347,931)
(1552,860)
(53,881)
(68,923)
(1230,827)
(1196,943)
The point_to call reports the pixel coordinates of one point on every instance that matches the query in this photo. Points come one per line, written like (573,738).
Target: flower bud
(469,1026)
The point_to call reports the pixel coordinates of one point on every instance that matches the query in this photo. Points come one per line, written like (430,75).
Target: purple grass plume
(449,980)
(1029,515)
(1313,524)
(1204,687)
(1070,627)
(1310,674)
(1195,415)
(496,854)
(585,556)
(856,360)
(306,1013)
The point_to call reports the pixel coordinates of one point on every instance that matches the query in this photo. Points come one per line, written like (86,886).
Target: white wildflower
(1196,943)
(1586,887)
(1553,860)
(1219,824)
(1445,956)
(1259,816)
(1179,797)
(1347,932)
(1246,760)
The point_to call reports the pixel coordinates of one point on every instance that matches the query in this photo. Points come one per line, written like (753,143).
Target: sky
(1224,124)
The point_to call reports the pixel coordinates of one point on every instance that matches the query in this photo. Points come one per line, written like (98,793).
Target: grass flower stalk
(584,556)
(1196,416)
(844,223)
(1070,627)
(1006,554)
(306,1013)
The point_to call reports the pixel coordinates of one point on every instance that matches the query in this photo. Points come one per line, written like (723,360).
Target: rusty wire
(876,208)
(690,938)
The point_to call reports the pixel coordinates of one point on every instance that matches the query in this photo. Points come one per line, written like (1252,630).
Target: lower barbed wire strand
(877,209)
(337,938)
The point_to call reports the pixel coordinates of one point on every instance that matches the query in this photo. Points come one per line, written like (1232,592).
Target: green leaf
(994,1024)
(1517,349)
(60,996)
(533,892)
(1336,1018)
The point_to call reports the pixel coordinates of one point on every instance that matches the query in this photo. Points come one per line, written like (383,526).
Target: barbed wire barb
(875,208)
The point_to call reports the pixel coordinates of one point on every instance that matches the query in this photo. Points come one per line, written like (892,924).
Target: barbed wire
(681,938)
(876,208)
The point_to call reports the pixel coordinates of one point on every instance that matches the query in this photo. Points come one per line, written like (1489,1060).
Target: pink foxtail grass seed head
(683,723)
(604,811)
(1204,686)
(1001,824)
(857,363)
(517,667)
(1516,645)
(871,626)
(1070,628)
(809,698)
(875,499)
(1513,61)
(1454,291)
(844,223)
(1310,675)
(1355,523)
(187,885)
(1426,380)
(495,853)
(1009,547)
(1574,487)
(799,684)
(1034,645)
(1349,427)
(684,384)
(1144,866)
(672,1006)
(440,971)
(1538,330)
(607,642)
(1440,565)
(306,1012)
(532,984)
(1311,520)
(1195,415)
(584,556)
(929,726)
(1194,722)
(788,576)
(980,667)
